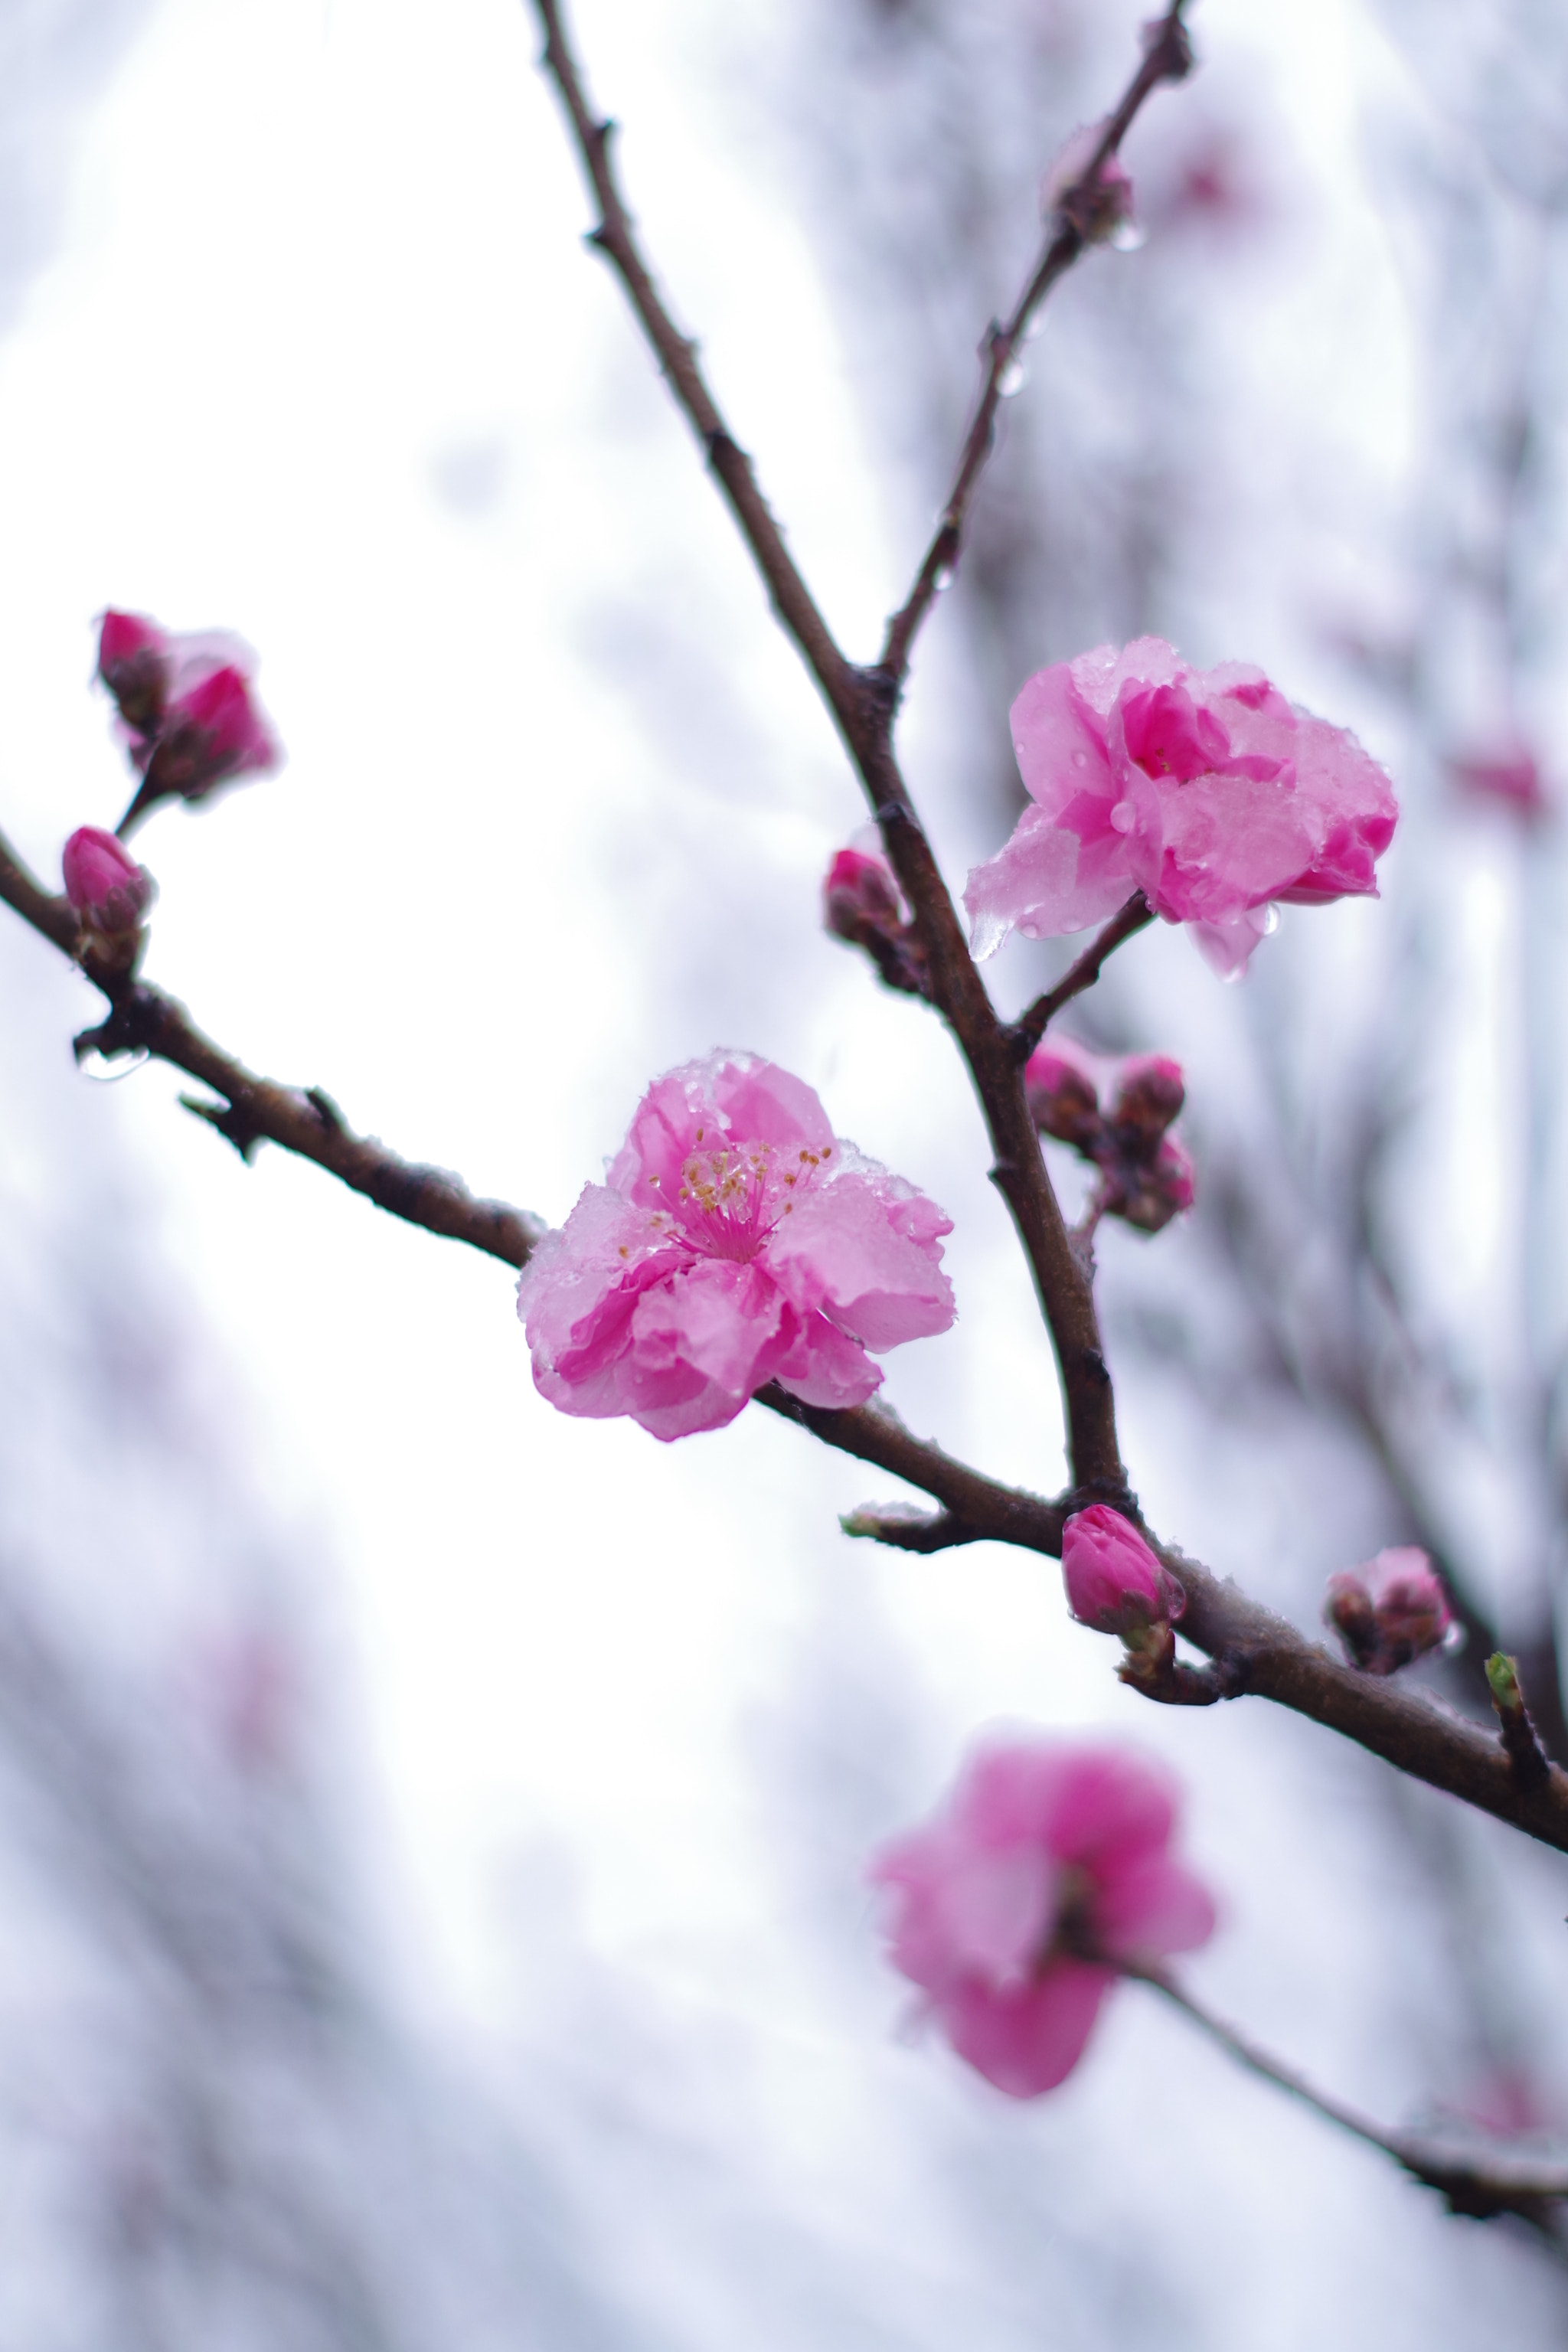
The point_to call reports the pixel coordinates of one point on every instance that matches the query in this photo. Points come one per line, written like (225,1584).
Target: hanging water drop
(1010,379)
(105,1068)
(1126,236)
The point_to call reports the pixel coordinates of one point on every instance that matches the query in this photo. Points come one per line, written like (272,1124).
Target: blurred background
(432,1829)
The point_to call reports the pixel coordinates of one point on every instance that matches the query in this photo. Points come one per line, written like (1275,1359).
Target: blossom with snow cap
(1016,1907)
(1204,789)
(735,1241)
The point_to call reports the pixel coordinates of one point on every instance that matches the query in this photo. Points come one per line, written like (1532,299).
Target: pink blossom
(1015,1908)
(1204,789)
(1391,1610)
(861,903)
(735,1241)
(1114,1581)
(104,882)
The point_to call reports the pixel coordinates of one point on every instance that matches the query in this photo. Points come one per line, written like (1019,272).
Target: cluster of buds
(190,717)
(861,904)
(1146,1176)
(111,894)
(1390,1611)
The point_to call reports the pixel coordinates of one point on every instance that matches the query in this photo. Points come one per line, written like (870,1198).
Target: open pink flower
(1204,789)
(1014,1909)
(735,1241)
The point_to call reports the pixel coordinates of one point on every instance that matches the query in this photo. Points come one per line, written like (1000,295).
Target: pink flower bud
(1101,208)
(860,903)
(1149,1193)
(1060,1088)
(104,882)
(1150,1092)
(1114,1582)
(1390,1611)
(136,663)
(211,732)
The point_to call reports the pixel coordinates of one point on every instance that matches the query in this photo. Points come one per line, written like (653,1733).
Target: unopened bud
(104,882)
(1098,206)
(1114,1581)
(1063,1097)
(861,903)
(212,733)
(136,663)
(1149,1193)
(1150,1092)
(1389,1612)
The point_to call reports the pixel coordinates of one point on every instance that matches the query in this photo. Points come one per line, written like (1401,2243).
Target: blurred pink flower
(734,1241)
(1390,1611)
(1204,789)
(104,882)
(1513,778)
(1114,1581)
(1014,1908)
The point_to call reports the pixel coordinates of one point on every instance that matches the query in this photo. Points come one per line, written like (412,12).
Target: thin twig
(1127,921)
(864,709)
(1167,57)
(251,1110)
(1481,2192)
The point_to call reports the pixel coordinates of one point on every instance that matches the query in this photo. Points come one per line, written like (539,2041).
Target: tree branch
(252,1111)
(1481,2192)
(1168,57)
(1256,1651)
(863,704)
(1031,1026)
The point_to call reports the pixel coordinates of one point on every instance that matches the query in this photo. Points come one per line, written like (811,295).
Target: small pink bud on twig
(1114,1581)
(109,892)
(136,663)
(1390,1611)
(1098,205)
(861,904)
